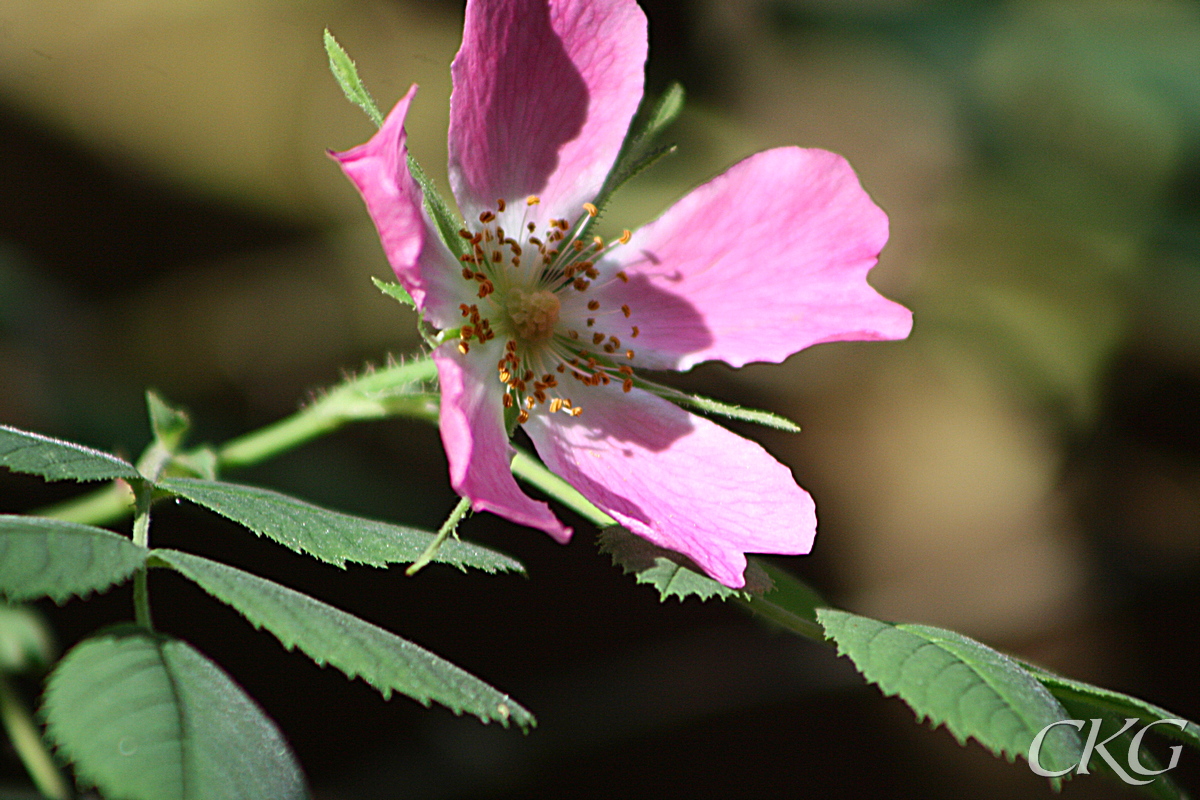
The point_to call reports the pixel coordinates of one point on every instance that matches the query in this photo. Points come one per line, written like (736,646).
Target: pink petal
(543,93)
(379,169)
(757,264)
(676,479)
(472,426)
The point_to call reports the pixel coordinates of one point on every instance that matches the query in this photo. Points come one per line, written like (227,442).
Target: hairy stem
(448,527)
(141,536)
(375,395)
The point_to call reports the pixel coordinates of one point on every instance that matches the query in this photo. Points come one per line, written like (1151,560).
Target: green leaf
(346,73)
(169,424)
(394,291)
(448,223)
(26,643)
(56,460)
(672,574)
(1161,786)
(51,558)
(146,717)
(1117,703)
(330,536)
(356,647)
(709,406)
(972,689)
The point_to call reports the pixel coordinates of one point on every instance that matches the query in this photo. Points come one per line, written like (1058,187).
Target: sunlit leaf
(330,535)
(56,460)
(51,558)
(972,689)
(146,717)
(343,69)
(1118,703)
(356,647)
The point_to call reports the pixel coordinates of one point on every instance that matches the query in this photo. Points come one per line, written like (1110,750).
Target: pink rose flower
(755,265)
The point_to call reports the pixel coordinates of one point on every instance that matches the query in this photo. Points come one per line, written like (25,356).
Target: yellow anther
(532,200)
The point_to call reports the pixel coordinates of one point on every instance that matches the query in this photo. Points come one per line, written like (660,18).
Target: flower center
(534,288)
(533,314)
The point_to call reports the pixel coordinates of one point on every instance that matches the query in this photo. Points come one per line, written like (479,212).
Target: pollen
(591,209)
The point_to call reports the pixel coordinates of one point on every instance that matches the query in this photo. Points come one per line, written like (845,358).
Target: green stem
(141,537)
(28,742)
(533,472)
(760,606)
(448,527)
(375,395)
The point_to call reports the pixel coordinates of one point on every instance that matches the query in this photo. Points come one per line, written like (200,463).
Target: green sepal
(328,635)
(346,73)
(144,716)
(638,151)
(327,535)
(394,291)
(448,222)
(56,460)
(52,558)
(707,405)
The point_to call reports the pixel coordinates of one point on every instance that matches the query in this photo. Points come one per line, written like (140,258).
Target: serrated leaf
(26,643)
(1161,787)
(169,424)
(330,536)
(448,223)
(356,647)
(147,717)
(346,73)
(395,291)
(671,573)
(709,406)
(51,558)
(57,460)
(950,679)
(1116,703)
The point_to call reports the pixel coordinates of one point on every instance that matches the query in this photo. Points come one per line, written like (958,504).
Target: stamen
(626,235)
(532,200)
(591,209)
(486,217)
(500,204)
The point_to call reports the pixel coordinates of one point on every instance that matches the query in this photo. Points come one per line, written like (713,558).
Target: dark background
(1023,469)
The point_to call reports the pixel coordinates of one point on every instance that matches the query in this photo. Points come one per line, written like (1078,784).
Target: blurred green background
(1025,468)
